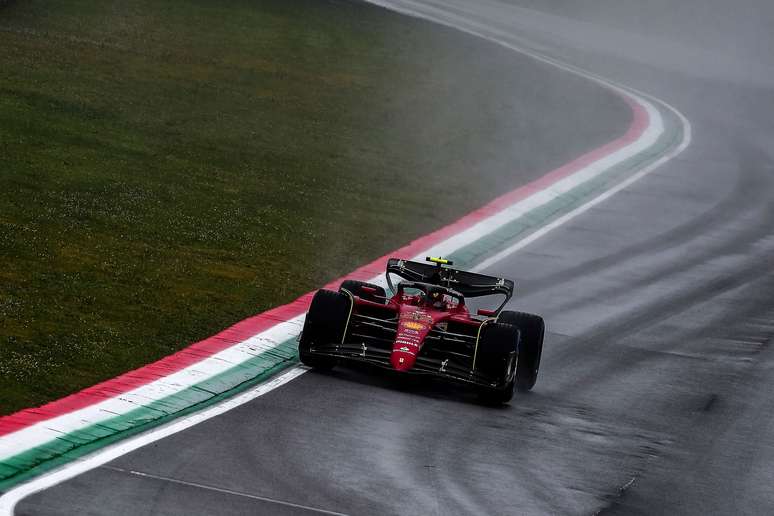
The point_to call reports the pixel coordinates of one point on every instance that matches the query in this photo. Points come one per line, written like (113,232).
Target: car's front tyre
(325,324)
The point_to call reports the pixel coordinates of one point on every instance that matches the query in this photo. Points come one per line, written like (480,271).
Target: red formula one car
(426,328)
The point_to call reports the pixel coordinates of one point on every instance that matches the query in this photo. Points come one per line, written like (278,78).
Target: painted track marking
(224,491)
(9,500)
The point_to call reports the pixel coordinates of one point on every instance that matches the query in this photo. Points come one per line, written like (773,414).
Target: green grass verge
(169,168)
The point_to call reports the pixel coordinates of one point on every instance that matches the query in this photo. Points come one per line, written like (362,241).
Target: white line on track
(9,500)
(577,211)
(225,491)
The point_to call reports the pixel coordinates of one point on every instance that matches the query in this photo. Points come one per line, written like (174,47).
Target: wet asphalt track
(657,382)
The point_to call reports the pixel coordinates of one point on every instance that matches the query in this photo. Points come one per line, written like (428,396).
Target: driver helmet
(436,298)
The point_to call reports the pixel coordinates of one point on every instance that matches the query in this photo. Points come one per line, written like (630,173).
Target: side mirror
(486,313)
(368,290)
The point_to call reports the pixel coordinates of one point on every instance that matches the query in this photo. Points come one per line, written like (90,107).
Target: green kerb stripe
(71,446)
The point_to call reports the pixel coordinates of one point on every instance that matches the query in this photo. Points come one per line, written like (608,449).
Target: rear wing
(469,284)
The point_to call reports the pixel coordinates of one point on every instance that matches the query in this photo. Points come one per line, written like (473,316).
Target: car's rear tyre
(356,288)
(496,357)
(325,324)
(532,329)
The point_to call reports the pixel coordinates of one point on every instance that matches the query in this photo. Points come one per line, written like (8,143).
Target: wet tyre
(356,288)
(496,357)
(532,329)
(325,324)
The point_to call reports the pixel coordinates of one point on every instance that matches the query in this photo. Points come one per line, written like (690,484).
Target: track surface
(655,388)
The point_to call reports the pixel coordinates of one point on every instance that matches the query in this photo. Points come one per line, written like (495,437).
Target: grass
(170,168)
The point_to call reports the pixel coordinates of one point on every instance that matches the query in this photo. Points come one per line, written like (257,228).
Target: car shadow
(418,385)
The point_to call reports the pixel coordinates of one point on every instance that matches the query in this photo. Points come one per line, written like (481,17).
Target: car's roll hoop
(439,261)
(438,272)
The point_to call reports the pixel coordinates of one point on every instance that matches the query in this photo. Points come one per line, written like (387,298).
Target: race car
(424,327)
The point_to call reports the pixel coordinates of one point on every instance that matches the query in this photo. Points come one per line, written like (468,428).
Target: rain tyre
(532,329)
(496,358)
(325,324)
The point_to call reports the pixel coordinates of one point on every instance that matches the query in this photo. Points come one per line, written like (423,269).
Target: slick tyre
(325,324)
(496,358)
(356,288)
(532,329)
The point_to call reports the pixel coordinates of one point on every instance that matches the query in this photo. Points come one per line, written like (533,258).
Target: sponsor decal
(421,316)
(411,325)
(410,332)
